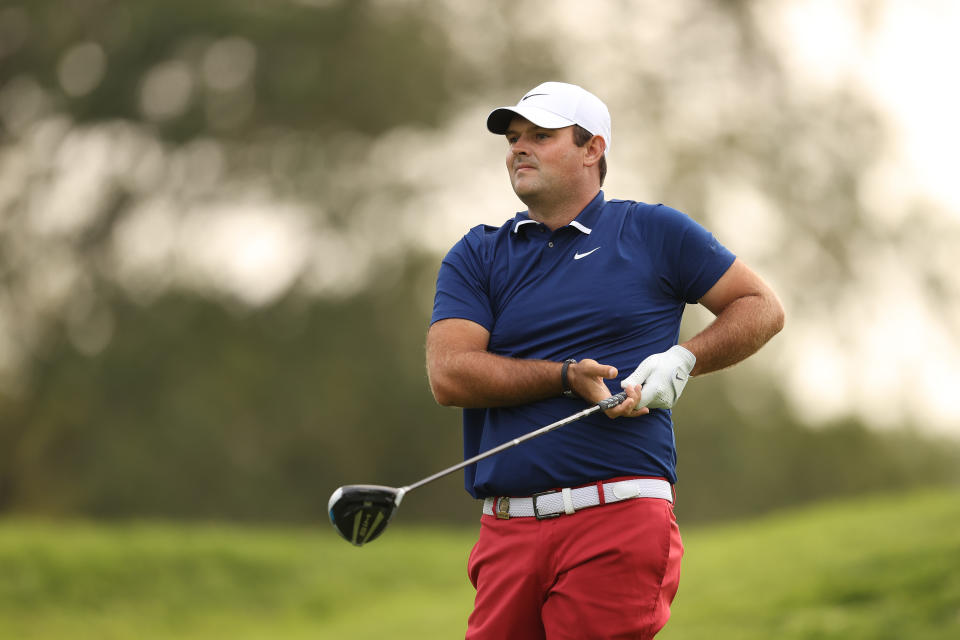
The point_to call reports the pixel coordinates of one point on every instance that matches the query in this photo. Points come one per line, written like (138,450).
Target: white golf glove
(663,377)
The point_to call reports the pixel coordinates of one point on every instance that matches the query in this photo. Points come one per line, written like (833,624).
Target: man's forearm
(481,379)
(745,325)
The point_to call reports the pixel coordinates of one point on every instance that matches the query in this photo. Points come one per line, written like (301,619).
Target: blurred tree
(126,391)
(193,411)
(737,460)
(119,119)
(140,139)
(190,67)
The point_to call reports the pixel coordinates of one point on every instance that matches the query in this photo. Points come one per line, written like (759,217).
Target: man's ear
(595,148)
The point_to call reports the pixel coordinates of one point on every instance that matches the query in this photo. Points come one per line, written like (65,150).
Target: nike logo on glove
(578,255)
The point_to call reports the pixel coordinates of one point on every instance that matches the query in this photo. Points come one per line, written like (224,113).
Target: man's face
(541,161)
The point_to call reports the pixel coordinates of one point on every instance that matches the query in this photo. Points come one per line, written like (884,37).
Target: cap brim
(499,119)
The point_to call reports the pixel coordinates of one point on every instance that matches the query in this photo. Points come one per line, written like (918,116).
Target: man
(545,315)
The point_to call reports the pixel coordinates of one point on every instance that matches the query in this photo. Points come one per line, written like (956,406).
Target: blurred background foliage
(156,361)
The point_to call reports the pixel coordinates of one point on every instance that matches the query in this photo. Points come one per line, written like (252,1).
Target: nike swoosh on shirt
(578,255)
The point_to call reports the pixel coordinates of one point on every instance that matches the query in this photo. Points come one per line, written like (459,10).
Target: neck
(559,213)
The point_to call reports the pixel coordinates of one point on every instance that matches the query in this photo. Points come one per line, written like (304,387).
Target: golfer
(563,305)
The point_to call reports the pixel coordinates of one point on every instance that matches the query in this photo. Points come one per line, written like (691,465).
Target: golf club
(360,512)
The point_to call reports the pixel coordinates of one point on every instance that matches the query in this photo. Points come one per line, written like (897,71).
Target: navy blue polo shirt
(612,286)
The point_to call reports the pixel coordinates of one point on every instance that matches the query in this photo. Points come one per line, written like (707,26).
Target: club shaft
(609,403)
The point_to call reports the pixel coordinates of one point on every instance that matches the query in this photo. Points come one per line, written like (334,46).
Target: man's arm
(748,313)
(463,373)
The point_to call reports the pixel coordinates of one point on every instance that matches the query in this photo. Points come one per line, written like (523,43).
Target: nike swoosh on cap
(579,255)
(533,94)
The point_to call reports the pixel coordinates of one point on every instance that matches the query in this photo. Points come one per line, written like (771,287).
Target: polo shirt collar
(584,222)
(587,219)
(522,220)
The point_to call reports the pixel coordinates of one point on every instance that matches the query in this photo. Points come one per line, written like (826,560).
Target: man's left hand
(661,377)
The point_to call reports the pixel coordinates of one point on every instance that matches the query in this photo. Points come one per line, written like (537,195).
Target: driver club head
(360,512)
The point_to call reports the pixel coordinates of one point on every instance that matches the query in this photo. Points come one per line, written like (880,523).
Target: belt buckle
(536,509)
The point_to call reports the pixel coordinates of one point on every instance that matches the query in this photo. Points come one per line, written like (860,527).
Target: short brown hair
(581,137)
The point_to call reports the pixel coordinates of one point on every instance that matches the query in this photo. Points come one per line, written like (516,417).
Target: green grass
(150,580)
(879,568)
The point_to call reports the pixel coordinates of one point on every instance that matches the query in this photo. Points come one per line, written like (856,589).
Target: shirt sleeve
(462,283)
(691,259)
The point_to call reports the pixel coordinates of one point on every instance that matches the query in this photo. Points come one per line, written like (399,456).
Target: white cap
(554,105)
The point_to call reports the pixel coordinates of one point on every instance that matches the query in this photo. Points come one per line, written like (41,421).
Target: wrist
(685,356)
(567,391)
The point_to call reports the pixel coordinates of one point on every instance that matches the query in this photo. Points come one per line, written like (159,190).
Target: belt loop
(567,501)
(600,495)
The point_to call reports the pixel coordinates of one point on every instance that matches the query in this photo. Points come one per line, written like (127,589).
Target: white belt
(552,504)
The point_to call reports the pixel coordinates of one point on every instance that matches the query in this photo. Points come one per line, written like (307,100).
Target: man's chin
(524,189)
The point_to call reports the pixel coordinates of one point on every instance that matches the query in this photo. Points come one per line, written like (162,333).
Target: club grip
(612,401)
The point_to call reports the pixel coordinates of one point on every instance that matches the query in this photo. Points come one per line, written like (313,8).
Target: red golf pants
(604,572)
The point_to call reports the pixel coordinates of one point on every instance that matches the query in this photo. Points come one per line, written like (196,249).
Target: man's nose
(519,148)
